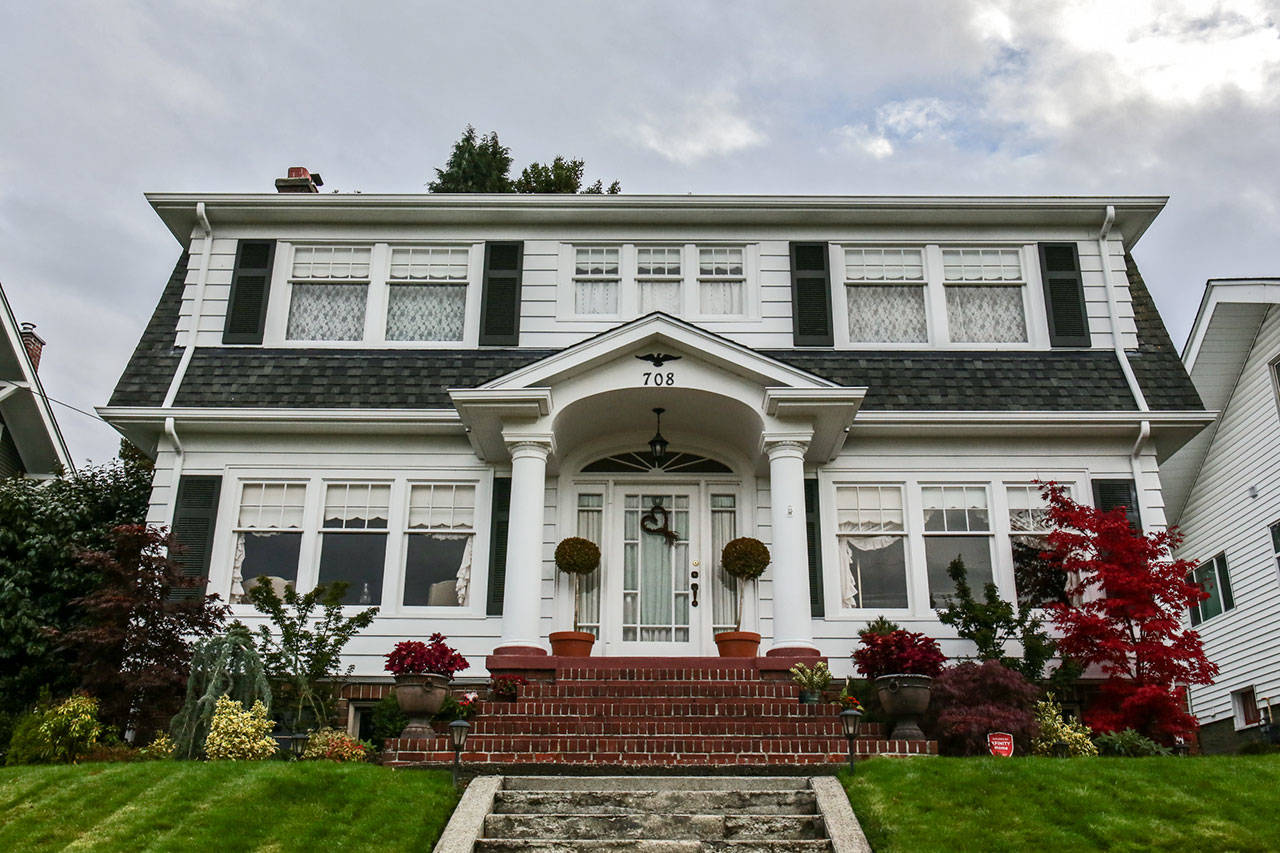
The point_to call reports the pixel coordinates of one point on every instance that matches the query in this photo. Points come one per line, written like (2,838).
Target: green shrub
(334,745)
(388,719)
(71,728)
(1128,744)
(1257,747)
(1060,737)
(161,748)
(27,744)
(236,734)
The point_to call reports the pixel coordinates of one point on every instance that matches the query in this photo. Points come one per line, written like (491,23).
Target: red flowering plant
(414,657)
(897,652)
(1130,597)
(506,688)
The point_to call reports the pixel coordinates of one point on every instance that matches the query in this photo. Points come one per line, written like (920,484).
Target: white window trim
(379,282)
(939,337)
(1237,707)
(628,288)
(316,479)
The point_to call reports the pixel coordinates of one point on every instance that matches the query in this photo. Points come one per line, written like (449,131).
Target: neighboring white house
(422,394)
(31,444)
(1223,491)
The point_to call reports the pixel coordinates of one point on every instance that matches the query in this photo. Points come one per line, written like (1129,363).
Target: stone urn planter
(905,697)
(420,698)
(738,644)
(571,644)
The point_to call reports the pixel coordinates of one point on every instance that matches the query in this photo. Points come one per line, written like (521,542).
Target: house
(421,395)
(1223,492)
(31,444)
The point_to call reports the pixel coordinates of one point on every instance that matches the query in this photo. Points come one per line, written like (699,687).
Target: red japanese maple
(1131,596)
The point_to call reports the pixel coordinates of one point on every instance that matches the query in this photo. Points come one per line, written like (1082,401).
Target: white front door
(659,605)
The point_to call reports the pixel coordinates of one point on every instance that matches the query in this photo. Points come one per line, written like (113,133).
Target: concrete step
(636,845)
(657,802)
(655,783)
(700,827)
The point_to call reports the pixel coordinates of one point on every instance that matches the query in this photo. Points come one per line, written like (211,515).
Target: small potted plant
(903,665)
(743,559)
(423,672)
(811,681)
(575,557)
(506,688)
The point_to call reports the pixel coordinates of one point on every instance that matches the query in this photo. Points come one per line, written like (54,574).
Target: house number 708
(652,378)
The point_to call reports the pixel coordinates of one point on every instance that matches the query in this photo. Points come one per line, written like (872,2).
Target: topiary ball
(745,558)
(577,556)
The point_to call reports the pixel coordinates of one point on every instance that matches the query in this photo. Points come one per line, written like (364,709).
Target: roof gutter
(202,279)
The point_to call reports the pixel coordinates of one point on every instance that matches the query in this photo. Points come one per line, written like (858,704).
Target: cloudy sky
(102,101)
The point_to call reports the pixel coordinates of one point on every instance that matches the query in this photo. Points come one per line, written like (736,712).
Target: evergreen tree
(482,164)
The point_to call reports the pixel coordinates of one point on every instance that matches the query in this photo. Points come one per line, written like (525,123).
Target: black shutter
(1224,582)
(194,518)
(500,298)
(250,288)
(1064,295)
(810,296)
(1193,610)
(1109,494)
(498,521)
(813,538)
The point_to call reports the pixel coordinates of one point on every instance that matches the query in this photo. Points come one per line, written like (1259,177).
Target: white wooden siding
(1220,516)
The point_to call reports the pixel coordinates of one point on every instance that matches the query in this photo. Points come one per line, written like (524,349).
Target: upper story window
(985,302)
(659,279)
(1212,577)
(885,290)
(427,293)
(722,281)
(597,280)
(685,280)
(329,290)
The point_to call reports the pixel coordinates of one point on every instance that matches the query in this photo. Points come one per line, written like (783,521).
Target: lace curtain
(590,526)
(426,312)
(327,312)
(887,314)
(721,297)
(724,588)
(596,297)
(986,314)
(875,571)
(659,296)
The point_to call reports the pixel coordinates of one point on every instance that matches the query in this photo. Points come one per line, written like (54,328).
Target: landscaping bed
(224,805)
(1047,804)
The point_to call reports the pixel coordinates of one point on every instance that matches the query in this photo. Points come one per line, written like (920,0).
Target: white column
(792,619)
(522,596)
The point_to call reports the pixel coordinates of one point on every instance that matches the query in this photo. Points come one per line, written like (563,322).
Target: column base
(793,650)
(520,650)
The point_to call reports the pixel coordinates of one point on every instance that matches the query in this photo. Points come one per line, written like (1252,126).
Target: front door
(658,605)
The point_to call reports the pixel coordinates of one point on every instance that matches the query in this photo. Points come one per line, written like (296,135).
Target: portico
(573,428)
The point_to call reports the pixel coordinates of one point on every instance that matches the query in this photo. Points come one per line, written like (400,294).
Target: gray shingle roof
(1056,380)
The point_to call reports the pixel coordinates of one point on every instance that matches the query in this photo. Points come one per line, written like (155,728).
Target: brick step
(624,689)
(662,727)
(674,827)
(638,845)
(629,744)
(657,802)
(687,706)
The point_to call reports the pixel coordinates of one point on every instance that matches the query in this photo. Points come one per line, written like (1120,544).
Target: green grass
(224,806)
(1044,804)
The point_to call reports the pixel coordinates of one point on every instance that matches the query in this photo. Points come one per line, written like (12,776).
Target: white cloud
(898,123)
(703,126)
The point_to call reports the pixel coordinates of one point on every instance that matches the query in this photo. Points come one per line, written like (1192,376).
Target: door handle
(693,587)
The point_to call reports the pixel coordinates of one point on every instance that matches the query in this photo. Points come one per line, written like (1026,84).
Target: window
(590,526)
(985,302)
(722,281)
(1275,543)
(1245,705)
(353,540)
(427,293)
(329,288)
(1035,582)
(596,280)
(440,532)
(957,524)
(1211,576)
(658,279)
(886,295)
(268,535)
(872,544)
(723,586)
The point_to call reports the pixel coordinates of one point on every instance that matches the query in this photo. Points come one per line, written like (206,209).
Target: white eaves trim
(36,405)
(1217,291)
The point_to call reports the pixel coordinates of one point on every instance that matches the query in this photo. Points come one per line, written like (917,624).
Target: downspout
(1144,427)
(206,258)
(171,430)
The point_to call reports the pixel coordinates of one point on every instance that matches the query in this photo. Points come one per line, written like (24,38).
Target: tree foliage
(302,652)
(482,164)
(131,642)
(225,665)
(1128,623)
(992,623)
(971,700)
(44,526)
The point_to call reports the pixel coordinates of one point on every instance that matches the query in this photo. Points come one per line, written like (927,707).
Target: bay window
(885,290)
(328,292)
(440,535)
(985,301)
(353,539)
(957,524)
(427,293)
(871,534)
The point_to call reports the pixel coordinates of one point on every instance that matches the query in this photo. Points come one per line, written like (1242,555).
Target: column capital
(525,446)
(786,444)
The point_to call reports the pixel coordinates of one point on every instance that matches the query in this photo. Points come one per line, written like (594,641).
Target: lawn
(1045,804)
(224,806)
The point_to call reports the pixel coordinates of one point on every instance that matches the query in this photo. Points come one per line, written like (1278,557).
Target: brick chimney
(300,180)
(34,344)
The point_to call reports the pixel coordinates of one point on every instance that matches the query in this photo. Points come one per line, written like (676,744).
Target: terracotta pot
(571,644)
(905,697)
(420,697)
(738,644)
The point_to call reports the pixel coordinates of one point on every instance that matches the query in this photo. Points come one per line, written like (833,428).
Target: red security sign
(1000,743)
